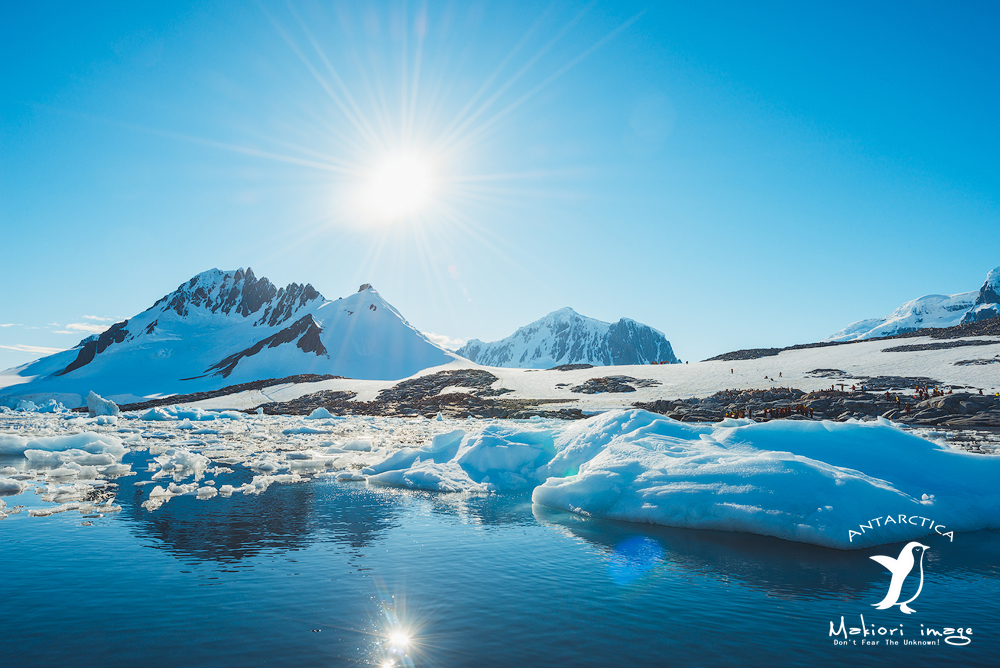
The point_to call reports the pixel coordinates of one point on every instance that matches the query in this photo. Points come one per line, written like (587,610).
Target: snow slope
(566,337)
(227,327)
(930,311)
(857,360)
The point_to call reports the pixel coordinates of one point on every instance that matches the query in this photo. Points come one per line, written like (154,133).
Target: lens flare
(399,187)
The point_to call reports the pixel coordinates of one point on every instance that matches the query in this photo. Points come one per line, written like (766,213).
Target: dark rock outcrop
(95,345)
(229,389)
(988,327)
(423,396)
(304,329)
(987,304)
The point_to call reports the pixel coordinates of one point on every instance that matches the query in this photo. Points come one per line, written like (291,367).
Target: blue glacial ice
(811,482)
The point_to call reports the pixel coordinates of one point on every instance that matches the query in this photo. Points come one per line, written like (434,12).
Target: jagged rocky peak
(238,292)
(365,286)
(987,304)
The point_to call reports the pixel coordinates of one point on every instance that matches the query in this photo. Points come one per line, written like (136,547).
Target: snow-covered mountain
(226,327)
(566,337)
(930,311)
(987,304)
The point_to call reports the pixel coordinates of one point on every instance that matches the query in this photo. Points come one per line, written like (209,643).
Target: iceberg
(811,482)
(97,405)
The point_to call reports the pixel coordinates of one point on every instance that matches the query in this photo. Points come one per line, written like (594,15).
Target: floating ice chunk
(51,406)
(10,486)
(27,406)
(442,448)
(97,405)
(48,458)
(506,457)
(448,477)
(266,464)
(185,424)
(73,470)
(83,508)
(181,463)
(158,495)
(83,422)
(304,430)
(319,414)
(87,441)
(350,476)
(500,457)
(116,470)
(358,445)
(157,414)
(207,492)
(262,482)
(76,491)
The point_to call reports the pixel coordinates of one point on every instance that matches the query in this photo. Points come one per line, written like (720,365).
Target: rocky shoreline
(463,393)
(959,410)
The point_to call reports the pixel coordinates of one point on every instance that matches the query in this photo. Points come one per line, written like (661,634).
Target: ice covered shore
(812,482)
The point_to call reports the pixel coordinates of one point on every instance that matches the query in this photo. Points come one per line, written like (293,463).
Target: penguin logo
(900,568)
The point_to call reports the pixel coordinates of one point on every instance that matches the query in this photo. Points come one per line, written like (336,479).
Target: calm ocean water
(323,574)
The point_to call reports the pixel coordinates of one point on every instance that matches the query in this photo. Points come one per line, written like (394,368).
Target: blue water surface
(330,574)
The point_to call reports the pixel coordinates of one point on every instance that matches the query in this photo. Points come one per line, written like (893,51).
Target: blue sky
(733,174)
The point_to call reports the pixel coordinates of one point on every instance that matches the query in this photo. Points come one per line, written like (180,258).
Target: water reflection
(780,568)
(287,517)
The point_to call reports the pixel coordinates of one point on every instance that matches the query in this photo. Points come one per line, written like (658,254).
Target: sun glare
(398,188)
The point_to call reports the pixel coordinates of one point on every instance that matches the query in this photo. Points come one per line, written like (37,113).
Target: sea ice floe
(804,481)
(170,413)
(11,444)
(10,486)
(83,508)
(304,430)
(811,482)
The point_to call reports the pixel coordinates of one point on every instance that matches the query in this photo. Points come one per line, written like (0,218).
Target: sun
(400,187)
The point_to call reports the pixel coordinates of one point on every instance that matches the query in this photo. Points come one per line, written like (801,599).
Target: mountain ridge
(234,326)
(566,337)
(929,311)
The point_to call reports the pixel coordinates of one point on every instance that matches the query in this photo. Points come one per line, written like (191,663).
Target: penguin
(900,567)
